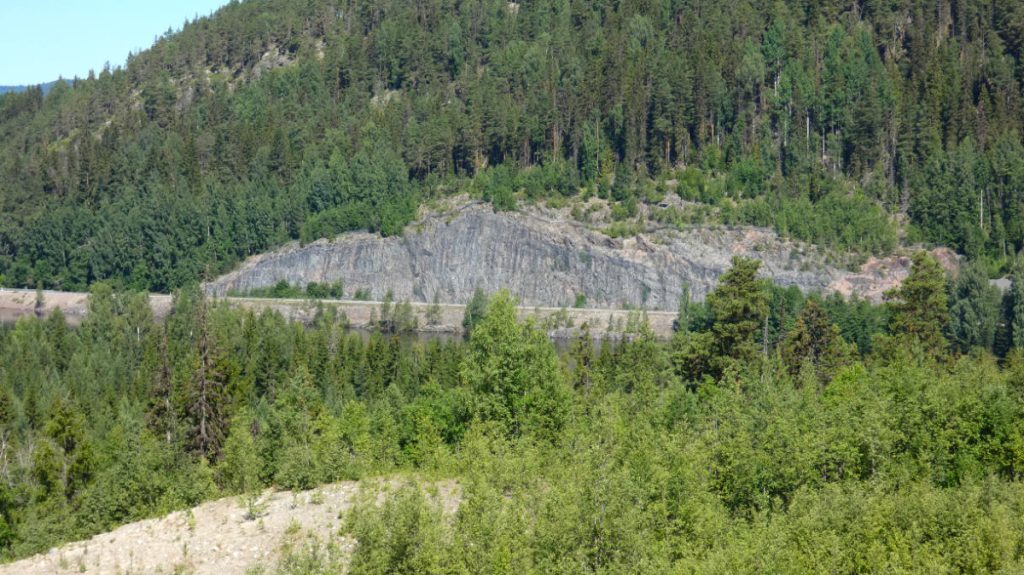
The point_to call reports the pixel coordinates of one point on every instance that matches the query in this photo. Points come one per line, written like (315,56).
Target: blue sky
(43,39)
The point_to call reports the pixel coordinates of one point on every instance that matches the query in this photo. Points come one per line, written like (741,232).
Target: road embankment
(559,322)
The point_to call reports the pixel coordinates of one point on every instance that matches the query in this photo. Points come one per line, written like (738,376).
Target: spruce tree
(207,397)
(582,354)
(161,415)
(240,470)
(476,310)
(682,323)
(919,309)
(815,341)
(740,305)
(1017,308)
(433,314)
(974,310)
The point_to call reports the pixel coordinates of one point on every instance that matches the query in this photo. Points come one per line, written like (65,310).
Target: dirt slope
(215,538)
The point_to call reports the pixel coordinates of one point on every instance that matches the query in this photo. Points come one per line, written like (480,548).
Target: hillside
(841,124)
(44,87)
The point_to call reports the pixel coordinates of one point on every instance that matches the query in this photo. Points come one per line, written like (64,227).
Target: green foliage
(815,343)
(326,290)
(514,373)
(858,320)
(974,313)
(497,185)
(184,162)
(206,394)
(1016,308)
(740,306)
(853,477)
(629,455)
(284,290)
(371,190)
(476,310)
(281,290)
(396,318)
(240,470)
(405,534)
(919,305)
(433,313)
(64,463)
(849,222)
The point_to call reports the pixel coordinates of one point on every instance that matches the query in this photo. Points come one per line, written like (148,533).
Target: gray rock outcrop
(546,259)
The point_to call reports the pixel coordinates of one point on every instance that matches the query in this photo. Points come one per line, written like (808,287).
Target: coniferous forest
(775,432)
(731,448)
(834,122)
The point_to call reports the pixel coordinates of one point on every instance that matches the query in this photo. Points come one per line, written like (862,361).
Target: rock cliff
(545,258)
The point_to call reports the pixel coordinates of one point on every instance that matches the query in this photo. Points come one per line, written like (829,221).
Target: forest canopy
(275,120)
(760,438)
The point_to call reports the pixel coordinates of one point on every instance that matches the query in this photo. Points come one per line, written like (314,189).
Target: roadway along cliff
(542,256)
(559,323)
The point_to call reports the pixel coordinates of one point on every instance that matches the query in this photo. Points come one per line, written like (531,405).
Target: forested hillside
(281,119)
(44,87)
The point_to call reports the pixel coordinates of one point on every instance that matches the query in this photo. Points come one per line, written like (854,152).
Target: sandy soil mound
(214,538)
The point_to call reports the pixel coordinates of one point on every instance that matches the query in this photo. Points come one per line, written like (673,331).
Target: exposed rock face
(547,259)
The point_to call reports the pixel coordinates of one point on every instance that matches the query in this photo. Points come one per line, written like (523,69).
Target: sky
(41,40)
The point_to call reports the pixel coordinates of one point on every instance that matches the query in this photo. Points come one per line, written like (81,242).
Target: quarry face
(545,258)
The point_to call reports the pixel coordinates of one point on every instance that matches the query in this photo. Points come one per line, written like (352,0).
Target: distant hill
(277,120)
(16,89)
